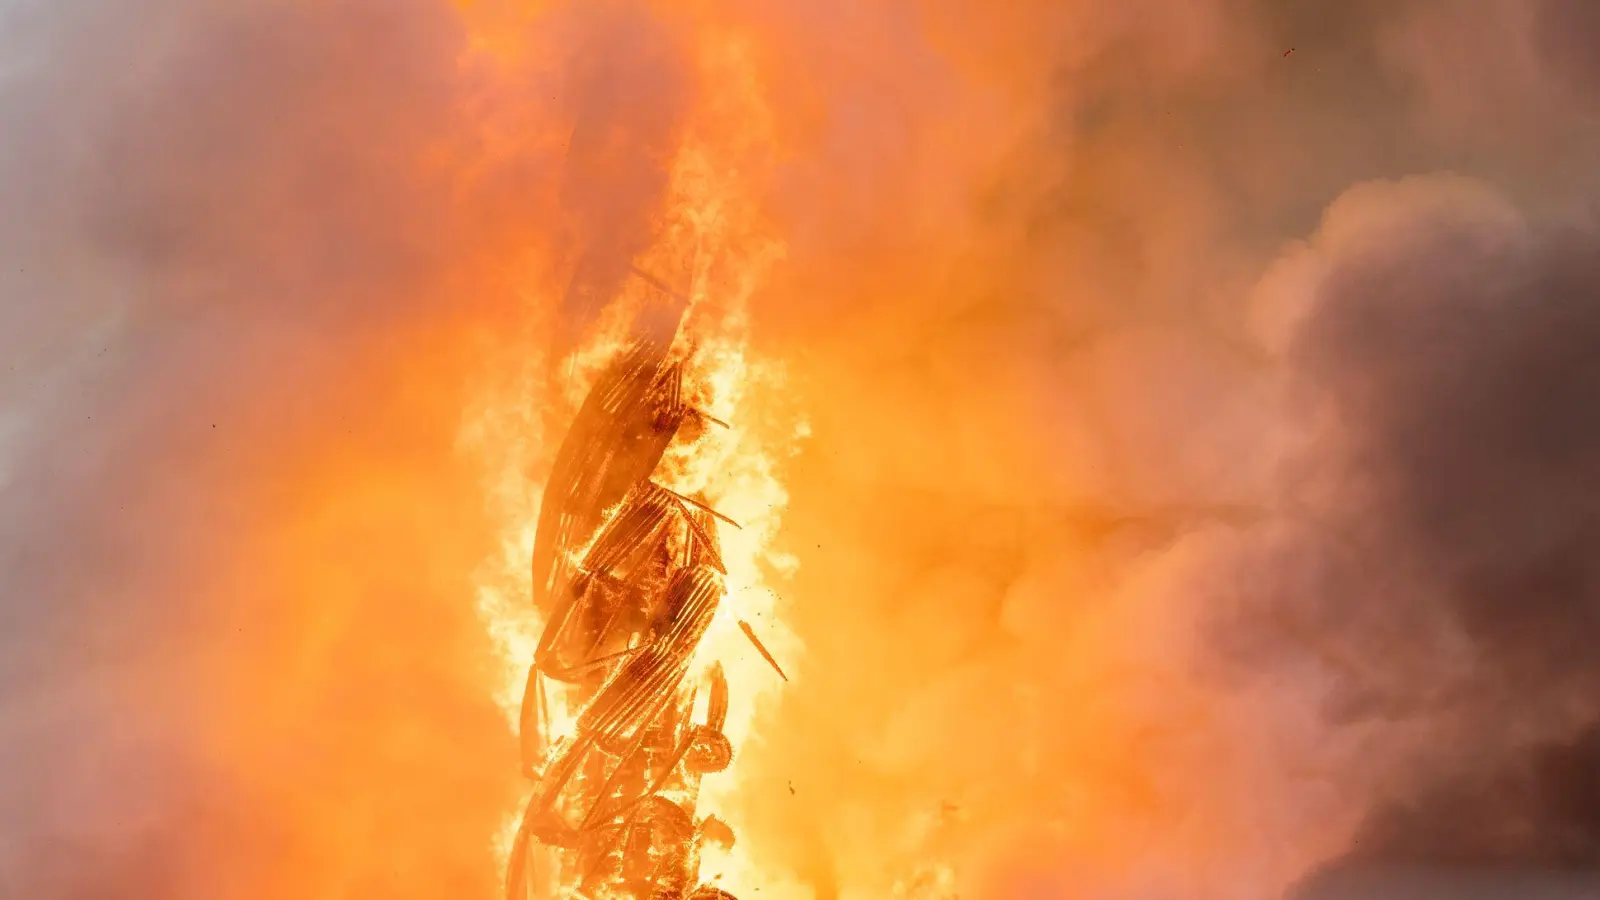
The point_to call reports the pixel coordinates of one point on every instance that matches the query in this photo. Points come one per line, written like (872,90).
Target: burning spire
(651,538)
(629,576)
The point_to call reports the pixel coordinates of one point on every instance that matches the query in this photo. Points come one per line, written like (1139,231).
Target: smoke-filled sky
(1203,400)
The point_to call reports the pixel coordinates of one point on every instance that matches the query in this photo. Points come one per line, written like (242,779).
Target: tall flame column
(628,576)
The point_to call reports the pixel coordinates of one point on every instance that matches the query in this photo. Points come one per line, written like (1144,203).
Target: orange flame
(711,219)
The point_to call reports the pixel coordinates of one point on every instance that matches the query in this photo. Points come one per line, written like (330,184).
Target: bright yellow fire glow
(713,248)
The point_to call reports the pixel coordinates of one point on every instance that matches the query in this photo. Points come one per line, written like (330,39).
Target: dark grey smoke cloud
(1455,363)
(1440,504)
(1461,371)
(1566,32)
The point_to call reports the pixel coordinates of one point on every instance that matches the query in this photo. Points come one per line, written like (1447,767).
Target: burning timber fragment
(628,576)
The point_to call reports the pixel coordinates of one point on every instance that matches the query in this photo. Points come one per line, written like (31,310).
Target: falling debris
(760,647)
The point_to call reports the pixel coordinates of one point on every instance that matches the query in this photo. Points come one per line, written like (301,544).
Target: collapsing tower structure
(628,576)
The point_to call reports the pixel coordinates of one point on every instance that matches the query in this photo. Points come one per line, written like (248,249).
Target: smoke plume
(1198,492)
